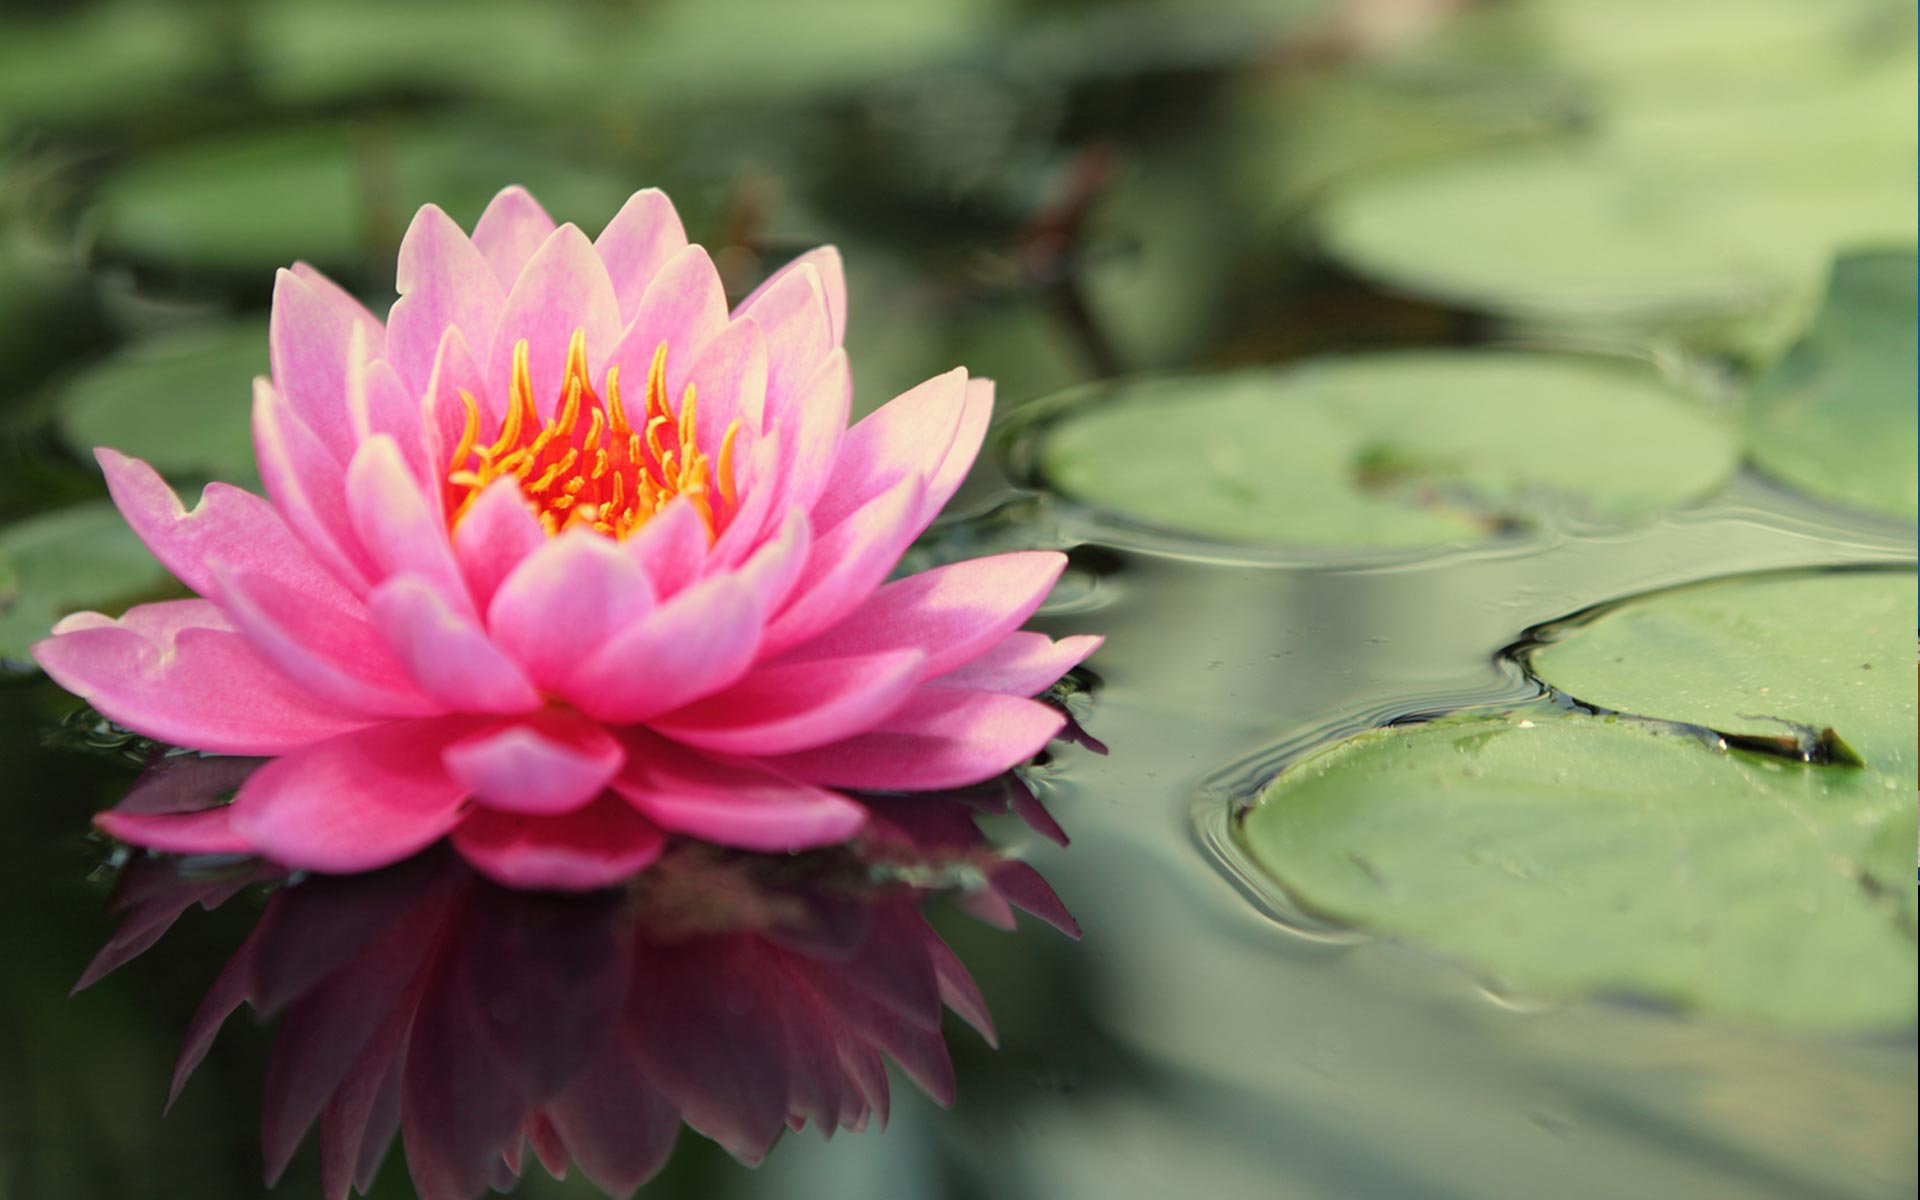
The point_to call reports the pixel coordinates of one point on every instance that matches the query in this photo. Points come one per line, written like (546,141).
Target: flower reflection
(739,994)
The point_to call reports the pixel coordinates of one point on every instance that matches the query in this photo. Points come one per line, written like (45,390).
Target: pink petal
(796,706)
(494,536)
(510,232)
(792,314)
(958,991)
(378,403)
(774,569)
(686,308)
(443,408)
(308,488)
(847,563)
(444,283)
(943,737)
(542,765)
(326,650)
(671,547)
(209,831)
(809,433)
(307,342)
(911,433)
(563,288)
(746,526)
(355,802)
(642,236)
(967,439)
(228,524)
(445,652)
(597,846)
(730,383)
(564,602)
(399,528)
(950,613)
(825,261)
(733,804)
(694,644)
(349,309)
(1022,664)
(177,673)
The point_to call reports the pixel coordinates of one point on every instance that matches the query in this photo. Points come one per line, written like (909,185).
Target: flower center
(587,464)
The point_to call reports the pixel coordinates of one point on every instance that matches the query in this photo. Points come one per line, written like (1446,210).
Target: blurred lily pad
(1663,218)
(1569,854)
(99,60)
(65,561)
(180,401)
(1837,416)
(1387,450)
(331,195)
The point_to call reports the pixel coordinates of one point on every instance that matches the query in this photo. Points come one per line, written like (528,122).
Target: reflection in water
(743,995)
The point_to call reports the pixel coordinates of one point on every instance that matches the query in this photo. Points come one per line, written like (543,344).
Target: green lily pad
(1836,416)
(1755,658)
(65,561)
(181,402)
(332,195)
(1569,854)
(1388,450)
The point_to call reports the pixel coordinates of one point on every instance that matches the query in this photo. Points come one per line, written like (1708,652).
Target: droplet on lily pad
(1387,450)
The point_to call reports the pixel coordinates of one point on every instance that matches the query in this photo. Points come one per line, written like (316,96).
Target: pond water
(1649,349)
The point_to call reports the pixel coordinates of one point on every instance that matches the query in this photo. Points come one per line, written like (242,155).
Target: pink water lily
(565,558)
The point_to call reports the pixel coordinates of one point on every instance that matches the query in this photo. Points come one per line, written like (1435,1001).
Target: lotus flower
(564,558)
(740,995)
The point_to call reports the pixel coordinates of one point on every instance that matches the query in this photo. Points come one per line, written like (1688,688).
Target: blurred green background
(1050,192)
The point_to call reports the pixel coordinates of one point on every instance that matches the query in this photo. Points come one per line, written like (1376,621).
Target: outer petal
(642,236)
(378,403)
(825,261)
(943,737)
(792,313)
(847,563)
(967,439)
(445,652)
(788,707)
(176,672)
(349,309)
(443,408)
(228,524)
(543,765)
(810,431)
(330,652)
(733,804)
(444,282)
(355,802)
(951,613)
(910,433)
(1022,664)
(496,535)
(510,231)
(563,288)
(307,342)
(700,641)
(564,601)
(596,846)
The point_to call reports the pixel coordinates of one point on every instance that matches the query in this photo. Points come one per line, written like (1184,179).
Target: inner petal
(590,464)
